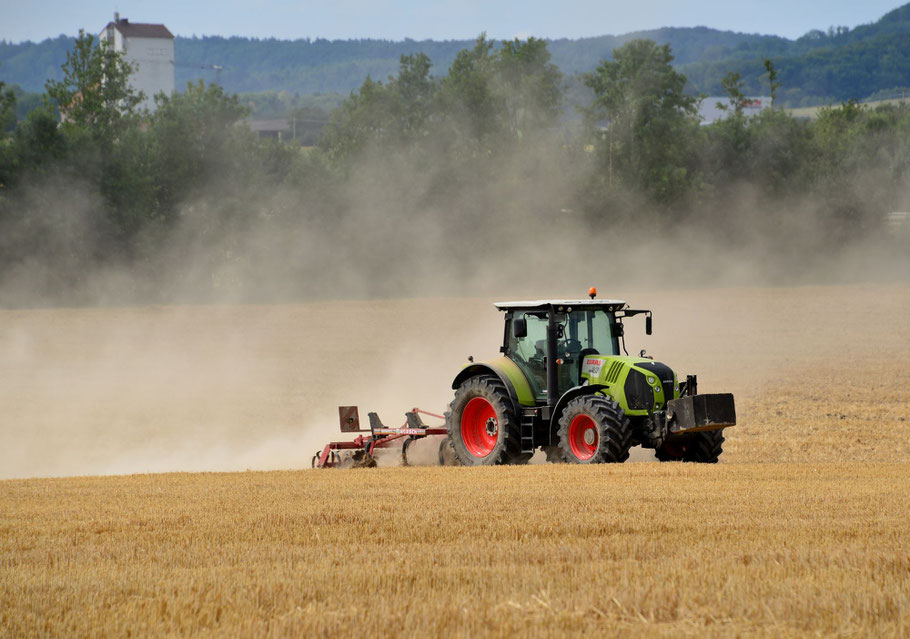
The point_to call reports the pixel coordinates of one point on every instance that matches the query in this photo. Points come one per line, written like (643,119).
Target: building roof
(140,29)
(542,304)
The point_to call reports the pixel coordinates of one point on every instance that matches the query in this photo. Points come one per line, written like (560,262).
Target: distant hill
(836,64)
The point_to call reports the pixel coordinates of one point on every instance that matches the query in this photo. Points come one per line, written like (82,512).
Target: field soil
(801,529)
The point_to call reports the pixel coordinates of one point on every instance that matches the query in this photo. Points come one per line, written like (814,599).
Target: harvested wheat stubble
(816,545)
(763,549)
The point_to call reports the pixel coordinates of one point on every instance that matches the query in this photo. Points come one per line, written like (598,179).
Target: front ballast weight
(360,452)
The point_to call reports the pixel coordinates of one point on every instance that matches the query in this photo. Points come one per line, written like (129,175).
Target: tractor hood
(639,384)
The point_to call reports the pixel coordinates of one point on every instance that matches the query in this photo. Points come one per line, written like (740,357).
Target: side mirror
(520,327)
(648,325)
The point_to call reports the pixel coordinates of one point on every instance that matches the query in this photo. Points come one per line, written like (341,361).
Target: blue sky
(435,19)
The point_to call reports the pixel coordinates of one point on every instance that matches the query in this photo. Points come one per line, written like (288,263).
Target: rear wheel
(594,429)
(483,428)
(447,454)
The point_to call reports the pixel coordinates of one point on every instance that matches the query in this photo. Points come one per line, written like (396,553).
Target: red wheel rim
(583,437)
(479,427)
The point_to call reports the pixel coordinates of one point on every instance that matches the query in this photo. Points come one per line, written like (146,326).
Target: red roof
(140,29)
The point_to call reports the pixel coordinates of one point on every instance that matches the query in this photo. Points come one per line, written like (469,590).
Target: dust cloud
(265,319)
(236,387)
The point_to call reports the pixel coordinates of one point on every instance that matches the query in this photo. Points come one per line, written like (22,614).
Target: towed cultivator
(564,384)
(361,451)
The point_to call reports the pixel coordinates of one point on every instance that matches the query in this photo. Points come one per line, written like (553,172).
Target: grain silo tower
(150,49)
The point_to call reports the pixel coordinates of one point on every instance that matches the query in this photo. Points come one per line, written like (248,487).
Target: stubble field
(802,529)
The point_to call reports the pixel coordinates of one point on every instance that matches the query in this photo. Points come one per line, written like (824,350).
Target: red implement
(380,436)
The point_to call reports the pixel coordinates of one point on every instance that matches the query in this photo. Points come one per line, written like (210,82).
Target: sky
(434,19)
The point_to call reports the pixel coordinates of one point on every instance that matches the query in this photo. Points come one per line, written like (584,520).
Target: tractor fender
(567,397)
(508,373)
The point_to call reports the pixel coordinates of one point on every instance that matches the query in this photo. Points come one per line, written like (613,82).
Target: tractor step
(526,430)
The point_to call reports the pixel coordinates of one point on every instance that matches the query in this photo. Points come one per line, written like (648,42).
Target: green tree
(472,107)
(384,116)
(414,90)
(95,92)
(733,86)
(726,148)
(36,144)
(366,117)
(650,122)
(192,141)
(531,84)
(773,82)
(7,110)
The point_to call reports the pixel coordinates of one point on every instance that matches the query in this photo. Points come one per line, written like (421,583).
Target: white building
(150,49)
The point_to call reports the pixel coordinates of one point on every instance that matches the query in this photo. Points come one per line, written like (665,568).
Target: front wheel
(482,424)
(594,429)
(554,454)
(705,448)
(700,448)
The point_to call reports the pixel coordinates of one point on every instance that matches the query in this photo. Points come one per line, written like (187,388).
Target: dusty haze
(238,367)
(194,388)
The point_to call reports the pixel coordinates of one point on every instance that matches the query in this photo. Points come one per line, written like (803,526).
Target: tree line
(480,159)
(820,67)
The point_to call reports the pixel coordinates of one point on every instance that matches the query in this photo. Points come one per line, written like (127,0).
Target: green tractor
(562,385)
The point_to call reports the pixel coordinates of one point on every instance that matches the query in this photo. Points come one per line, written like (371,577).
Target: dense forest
(454,183)
(821,67)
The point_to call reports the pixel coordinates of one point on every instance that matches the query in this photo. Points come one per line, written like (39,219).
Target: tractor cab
(578,328)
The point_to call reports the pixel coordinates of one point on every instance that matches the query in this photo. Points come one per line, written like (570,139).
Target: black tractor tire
(705,448)
(447,454)
(482,423)
(669,453)
(699,448)
(593,429)
(554,455)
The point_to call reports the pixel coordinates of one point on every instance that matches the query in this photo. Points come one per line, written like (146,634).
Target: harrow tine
(413,420)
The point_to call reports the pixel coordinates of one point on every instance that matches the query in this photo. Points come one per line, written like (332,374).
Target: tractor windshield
(590,330)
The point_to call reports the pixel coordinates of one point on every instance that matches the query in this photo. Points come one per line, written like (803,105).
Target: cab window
(530,352)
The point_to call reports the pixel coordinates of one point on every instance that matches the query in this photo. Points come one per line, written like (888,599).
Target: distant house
(150,49)
(276,129)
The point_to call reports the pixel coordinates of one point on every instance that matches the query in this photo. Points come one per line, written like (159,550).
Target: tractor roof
(541,304)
